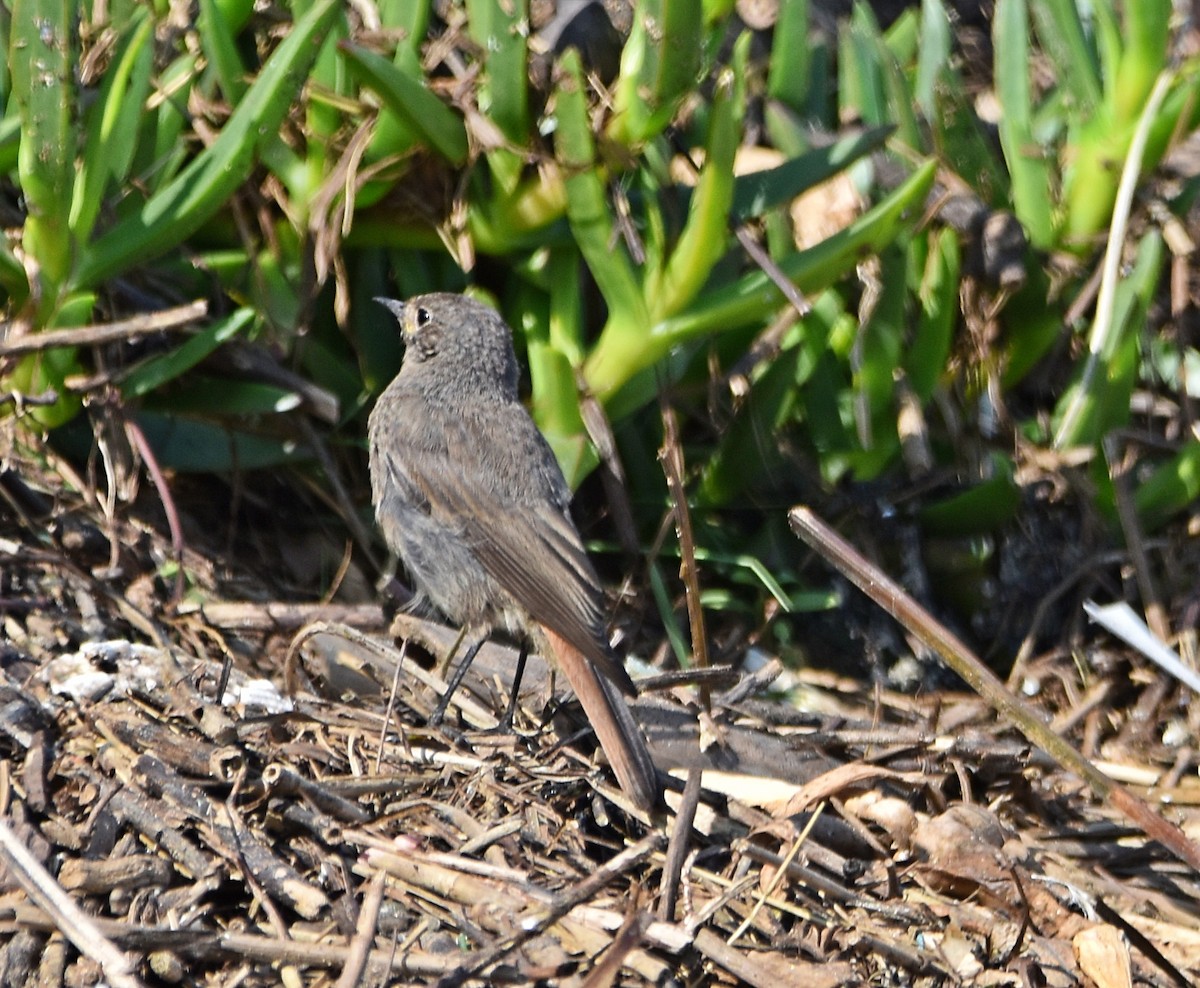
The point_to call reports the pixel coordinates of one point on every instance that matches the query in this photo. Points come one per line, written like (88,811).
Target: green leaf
(500,29)
(757,192)
(926,356)
(1148,41)
(755,296)
(567,327)
(1031,327)
(48,370)
(706,233)
(38,373)
(10,142)
(517,220)
(204,187)
(900,97)
(749,570)
(41,60)
(823,412)
(236,13)
(1028,162)
(200,395)
(12,276)
(659,66)
(902,38)
(717,10)
(747,448)
(933,56)
(6,66)
(409,22)
(549,308)
(981,508)
(1172,488)
(860,77)
(556,409)
(188,445)
(790,65)
(666,614)
(1098,400)
(1099,146)
(407,96)
(1062,34)
(162,147)
(156,371)
(304,174)
(587,206)
(878,351)
(623,351)
(112,125)
(959,138)
(220,50)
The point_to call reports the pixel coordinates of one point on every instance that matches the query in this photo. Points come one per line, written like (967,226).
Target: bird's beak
(394,306)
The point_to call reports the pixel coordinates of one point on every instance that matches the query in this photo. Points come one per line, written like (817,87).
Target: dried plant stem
(892,598)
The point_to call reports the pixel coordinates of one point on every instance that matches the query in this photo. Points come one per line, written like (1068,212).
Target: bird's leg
(506,722)
(439,712)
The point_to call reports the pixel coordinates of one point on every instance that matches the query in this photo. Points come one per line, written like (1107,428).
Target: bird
(470,497)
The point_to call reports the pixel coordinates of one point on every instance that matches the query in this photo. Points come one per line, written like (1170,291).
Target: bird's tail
(612,720)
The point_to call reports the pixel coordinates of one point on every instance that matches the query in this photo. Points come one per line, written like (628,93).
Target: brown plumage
(470,496)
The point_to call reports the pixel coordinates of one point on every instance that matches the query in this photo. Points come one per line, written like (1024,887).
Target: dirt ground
(309,827)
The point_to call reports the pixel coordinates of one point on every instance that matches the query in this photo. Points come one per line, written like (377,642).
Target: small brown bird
(470,496)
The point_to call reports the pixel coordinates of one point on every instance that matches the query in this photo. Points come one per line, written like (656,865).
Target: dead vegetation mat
(220,790)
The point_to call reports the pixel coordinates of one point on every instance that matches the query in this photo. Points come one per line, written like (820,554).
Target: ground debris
(289,815)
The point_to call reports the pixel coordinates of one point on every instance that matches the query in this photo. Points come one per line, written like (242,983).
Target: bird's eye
(424,316)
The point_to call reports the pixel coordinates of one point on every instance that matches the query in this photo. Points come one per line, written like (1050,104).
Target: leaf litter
(244,787)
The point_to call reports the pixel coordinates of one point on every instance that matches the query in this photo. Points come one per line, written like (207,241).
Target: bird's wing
(510,506)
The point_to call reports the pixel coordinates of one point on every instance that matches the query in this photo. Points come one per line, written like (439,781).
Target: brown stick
(364,935)
(671,456)
(67,917)
(122,329)
(892,598)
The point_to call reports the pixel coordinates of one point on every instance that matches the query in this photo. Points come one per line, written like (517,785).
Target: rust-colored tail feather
(611,719)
